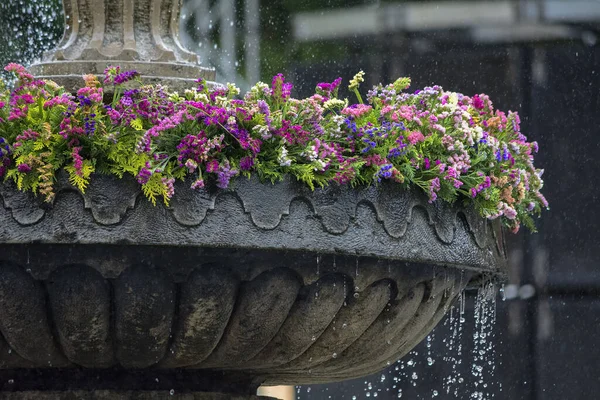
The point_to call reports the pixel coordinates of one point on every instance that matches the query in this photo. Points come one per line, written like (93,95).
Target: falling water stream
(456,361)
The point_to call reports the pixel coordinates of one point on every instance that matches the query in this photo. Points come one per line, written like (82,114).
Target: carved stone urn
(225,289)
(105,296)
(141,35)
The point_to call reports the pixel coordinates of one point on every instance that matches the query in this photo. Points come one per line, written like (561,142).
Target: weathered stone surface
(23,317)
(140,35)
(384,221)
(144,306)
(259,283)
(80,302)
(250,317)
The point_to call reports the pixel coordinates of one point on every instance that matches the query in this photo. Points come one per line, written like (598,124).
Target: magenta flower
(77,160)
(477,102)
(246,163)
(212,166)
(281,90)
(23,168)
(329,89)
(198,184)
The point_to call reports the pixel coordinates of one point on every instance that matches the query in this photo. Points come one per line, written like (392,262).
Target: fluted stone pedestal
(141,35)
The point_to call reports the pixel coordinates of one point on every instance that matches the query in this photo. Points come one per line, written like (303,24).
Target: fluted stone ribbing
(258,283)
(135,34)
(274,327)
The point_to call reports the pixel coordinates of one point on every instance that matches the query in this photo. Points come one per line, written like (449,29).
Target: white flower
(320,165)
(311,153)
(334,103)
(263,130)
(221,101)
(174,97)
(234,90)
(283,158)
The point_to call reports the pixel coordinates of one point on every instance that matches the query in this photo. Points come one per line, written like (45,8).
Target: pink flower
(20,71)
(357,110)
(198,184)
(415,137)
(168,182)
(212,166)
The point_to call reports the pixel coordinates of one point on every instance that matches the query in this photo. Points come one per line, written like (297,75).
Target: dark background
(546,340)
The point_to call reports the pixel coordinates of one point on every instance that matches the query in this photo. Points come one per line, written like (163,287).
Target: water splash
(483,366)
(457,359)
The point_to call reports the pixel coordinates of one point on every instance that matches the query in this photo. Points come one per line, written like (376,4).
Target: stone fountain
(104,296)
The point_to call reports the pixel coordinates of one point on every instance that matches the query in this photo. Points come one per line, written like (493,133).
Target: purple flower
(144,174)
(434,187)
(126,76)
(385,171)
(246,163)
(225,174)
(23,168)
(127,101)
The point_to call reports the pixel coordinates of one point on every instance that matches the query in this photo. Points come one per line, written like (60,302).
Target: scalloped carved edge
(334,206)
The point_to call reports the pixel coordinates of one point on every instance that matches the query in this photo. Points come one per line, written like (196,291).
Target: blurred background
(538,57)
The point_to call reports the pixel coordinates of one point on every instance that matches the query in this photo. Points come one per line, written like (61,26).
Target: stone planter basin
(255,284)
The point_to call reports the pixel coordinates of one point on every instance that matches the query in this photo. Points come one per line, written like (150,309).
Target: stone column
(135,34)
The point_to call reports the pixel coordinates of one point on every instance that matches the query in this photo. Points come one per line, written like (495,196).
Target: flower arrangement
(452,147)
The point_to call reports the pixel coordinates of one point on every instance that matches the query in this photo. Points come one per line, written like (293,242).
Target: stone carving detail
(140,35)
(138,30)
(274,327)
(399,224)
